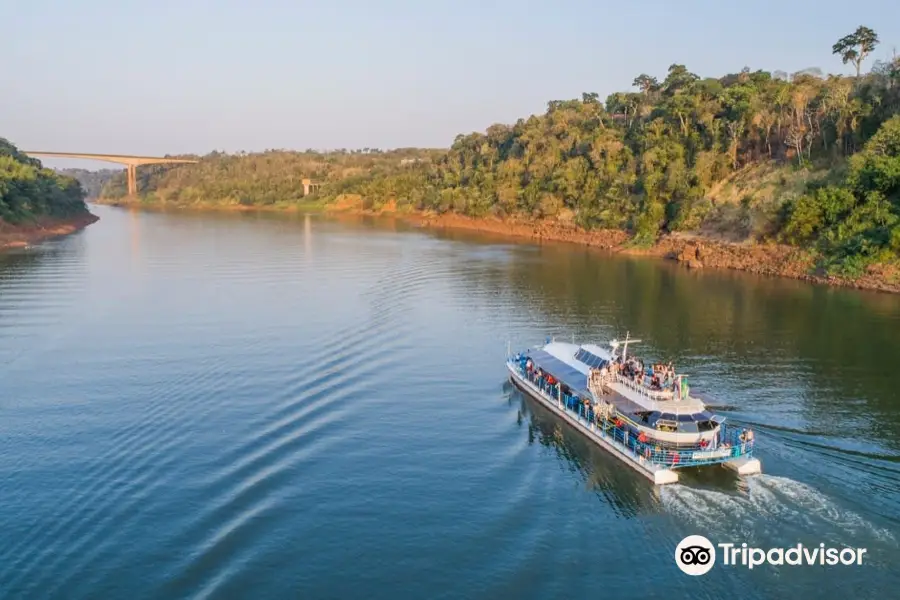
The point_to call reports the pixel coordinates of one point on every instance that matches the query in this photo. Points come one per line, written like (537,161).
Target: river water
(261,406)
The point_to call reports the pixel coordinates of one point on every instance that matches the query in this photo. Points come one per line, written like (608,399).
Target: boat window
(706,425)
(689,427)
(666,425)
(591,360)
(685,418)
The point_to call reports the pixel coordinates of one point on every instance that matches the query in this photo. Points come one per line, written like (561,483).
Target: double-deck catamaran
(643,414)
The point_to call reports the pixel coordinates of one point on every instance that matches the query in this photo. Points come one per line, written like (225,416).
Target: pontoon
(644,415)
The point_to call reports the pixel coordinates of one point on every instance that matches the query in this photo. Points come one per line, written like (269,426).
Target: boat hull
(657,474)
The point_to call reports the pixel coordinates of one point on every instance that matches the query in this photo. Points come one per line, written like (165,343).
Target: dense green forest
(91,181)
(262,178)
(761,155)
(807,159)
(28,191)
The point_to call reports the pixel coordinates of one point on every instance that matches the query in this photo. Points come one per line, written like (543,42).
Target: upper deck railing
(643,389)
(663,401)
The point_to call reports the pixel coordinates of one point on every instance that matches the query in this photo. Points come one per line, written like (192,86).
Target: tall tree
(856,46)
(646,83)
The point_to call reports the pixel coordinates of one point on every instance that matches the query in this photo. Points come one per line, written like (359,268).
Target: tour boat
(644,415)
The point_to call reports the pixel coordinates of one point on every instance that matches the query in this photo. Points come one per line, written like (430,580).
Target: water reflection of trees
(17,266)
(16,263)
(828,346)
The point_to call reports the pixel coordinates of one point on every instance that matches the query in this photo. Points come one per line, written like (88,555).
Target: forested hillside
(260,179)
(747,154)
(806,159)
(29,191)
(91,181)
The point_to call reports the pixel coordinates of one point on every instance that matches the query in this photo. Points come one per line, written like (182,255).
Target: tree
(856,46)
(646,83)
(29,191)
(678,78)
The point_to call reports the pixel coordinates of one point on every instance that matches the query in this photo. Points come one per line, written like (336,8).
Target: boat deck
(657,464)
(654,472)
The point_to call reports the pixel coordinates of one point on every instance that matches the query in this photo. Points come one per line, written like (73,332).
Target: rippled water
(267,406)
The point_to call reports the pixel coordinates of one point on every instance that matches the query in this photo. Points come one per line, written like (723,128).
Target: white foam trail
(771,506)
(816,508)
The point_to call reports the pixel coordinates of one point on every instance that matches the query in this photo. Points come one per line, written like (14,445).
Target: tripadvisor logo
(696,555)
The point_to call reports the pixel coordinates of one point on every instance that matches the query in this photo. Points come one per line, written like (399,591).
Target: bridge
(131,162)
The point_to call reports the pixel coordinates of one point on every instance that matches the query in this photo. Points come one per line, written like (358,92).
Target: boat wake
(770,510)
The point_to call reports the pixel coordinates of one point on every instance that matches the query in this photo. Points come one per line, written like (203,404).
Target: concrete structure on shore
(309,186)
(131,162)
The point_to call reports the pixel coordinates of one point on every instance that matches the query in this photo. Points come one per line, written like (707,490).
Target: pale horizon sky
(194,76)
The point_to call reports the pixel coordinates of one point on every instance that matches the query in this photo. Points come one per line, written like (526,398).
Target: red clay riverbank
(691,251)
(44,228)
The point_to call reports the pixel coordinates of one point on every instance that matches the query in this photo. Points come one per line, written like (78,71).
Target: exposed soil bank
(691,251)
(44,228)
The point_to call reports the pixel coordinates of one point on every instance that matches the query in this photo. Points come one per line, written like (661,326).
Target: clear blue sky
(167,76)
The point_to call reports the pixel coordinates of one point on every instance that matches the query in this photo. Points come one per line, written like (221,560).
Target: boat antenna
(625,347)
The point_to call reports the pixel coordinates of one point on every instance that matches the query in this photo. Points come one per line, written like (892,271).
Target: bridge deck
(126,159)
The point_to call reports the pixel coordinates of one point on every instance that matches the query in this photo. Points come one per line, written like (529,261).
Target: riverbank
(41,229)
(694,252)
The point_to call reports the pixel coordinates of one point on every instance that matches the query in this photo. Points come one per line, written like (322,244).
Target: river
(259,405)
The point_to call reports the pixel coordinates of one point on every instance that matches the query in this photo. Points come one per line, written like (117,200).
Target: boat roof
(570,363)
(597,350)
(566,373)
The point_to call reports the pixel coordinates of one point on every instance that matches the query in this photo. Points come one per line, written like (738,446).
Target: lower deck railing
(731,443)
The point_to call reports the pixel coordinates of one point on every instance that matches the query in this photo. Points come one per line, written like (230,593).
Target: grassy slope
(746,205)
